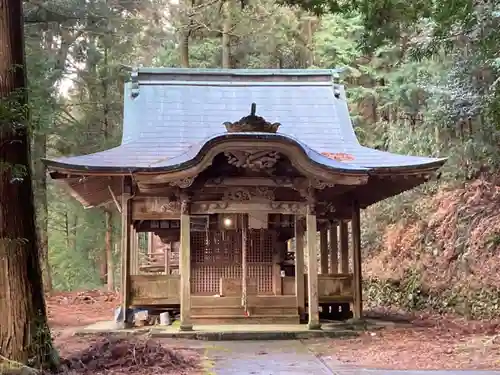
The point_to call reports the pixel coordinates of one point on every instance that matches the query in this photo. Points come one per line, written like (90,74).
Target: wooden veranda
(241,266)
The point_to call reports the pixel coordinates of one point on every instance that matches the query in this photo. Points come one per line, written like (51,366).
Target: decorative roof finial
(253,109)
(134,77)
(252,123)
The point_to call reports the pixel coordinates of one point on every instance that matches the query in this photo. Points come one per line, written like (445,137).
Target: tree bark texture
(40,193)
(226,34)
(184,49)
(185,32)
(24,333)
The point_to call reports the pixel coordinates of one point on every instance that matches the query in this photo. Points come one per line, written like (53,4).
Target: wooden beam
(134,252)
(333,249)
(168,251)
(155,208)
(150,242)
(162,208)
(125,255)
(344,247)
(299,266)
(117,204)
(246,181)
(356,250)
(312,269)
(323,243)
(185,266)
(226,207)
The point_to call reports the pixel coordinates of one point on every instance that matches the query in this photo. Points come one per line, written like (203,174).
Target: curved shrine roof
(171,117)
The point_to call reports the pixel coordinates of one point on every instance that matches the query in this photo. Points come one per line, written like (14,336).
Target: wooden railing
(158,262)
(333,287)
(153,290)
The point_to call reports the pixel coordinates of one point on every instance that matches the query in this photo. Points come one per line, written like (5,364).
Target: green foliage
(422,79)
(411,295)
(76,52)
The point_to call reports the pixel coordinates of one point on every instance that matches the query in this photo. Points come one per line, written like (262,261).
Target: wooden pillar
(134,251)
(299,267)
(333,249)
(323,243)
(312,269)
(356,256)
(185,265)
(244,269)
(344,247)
(166,256)
(150,242)
(125,253)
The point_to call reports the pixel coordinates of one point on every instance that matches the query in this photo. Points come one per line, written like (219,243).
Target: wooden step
(272,301)
(258,310)
(253,319)
(211,301)
(217,310)
(239,311)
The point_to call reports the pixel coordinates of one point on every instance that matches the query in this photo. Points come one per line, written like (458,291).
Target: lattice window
(205,280)
(261,246)
(216,254)
(263,273)
(216,247)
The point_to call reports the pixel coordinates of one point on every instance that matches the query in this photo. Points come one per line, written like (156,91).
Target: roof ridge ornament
(252,123)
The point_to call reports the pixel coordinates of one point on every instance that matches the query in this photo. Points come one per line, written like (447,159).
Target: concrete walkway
(291,358)
(264,358)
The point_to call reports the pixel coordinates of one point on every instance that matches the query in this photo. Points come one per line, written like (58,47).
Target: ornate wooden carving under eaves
(252,123)
(253,160)
(171,206)
(320,185)
(328,207)
(286,206)
(185,204)
(248,194)
(212,206)
(311,208)
(282,180)
(303,184)
(183,183)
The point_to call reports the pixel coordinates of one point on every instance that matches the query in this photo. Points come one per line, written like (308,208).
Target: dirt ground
(421,342)
(101,355)
(410,342)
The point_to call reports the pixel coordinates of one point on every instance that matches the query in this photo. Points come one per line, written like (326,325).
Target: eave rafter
(90,191)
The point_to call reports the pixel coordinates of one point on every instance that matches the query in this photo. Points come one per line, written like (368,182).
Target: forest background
(422,79)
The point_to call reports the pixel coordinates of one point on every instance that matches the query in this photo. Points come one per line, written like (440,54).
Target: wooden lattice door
(216,254)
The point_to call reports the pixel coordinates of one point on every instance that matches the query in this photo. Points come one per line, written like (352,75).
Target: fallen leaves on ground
(423,342)
(131,355)
(454,246)
(76,309)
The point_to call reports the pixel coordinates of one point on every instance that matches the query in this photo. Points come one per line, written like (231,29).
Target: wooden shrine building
(254,179)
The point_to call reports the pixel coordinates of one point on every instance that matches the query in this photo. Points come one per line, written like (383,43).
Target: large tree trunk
(184,48)
(40,191)
(226,34)
(39,149)
(185,32)
(107,256)
(24,333)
